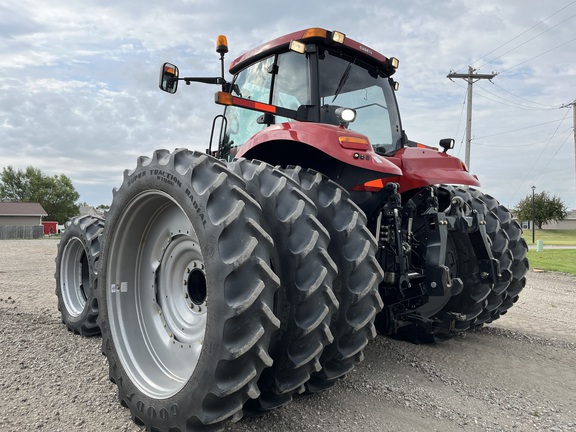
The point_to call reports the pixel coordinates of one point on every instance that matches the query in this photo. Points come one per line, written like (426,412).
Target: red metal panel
(425,167)
(325,138)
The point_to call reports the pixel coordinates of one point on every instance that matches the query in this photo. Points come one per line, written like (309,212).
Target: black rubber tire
(500,248)
(518,249)
(353,248)
(77,274)
(183,247)
(462,263)
(305,302)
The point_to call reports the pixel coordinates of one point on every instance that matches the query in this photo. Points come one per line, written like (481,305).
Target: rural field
(516,374)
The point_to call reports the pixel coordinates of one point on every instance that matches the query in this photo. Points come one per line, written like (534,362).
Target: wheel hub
(181,291)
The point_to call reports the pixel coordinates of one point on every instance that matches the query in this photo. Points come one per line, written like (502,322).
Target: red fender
(342,144)
(425,166)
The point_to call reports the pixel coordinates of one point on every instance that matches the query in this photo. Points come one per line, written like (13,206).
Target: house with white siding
(21,220)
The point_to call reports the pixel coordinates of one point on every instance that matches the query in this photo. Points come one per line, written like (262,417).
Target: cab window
(281,80)
(254,83)
(291,85)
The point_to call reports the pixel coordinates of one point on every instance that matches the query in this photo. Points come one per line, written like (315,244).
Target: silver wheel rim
(74,277)
(156,294)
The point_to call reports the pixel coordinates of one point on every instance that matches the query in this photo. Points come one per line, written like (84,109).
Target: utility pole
(471,78)
(573,105)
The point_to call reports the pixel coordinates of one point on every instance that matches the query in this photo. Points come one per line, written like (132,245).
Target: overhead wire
(509,103)
(539,156)
(521,98)
(475,139)
(505,146)
(459,123)
(539,55)
(552,158)
(529,40)
(519,35)
(521,129)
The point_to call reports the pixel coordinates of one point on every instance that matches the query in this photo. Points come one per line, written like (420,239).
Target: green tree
(55,193)
(546,209)
(13,185)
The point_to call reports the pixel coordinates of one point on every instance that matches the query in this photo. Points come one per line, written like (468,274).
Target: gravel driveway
(516,374)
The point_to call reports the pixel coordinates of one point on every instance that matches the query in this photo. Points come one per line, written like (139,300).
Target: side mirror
(169,78)
(447,144)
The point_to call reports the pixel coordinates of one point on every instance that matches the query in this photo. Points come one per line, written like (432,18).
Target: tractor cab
(313,98)
(318,77)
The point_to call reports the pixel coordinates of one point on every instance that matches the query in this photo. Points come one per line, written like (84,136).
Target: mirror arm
(205,80)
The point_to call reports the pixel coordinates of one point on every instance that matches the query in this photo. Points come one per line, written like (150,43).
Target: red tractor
(226,282)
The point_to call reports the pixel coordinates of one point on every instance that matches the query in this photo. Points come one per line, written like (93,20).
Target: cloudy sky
(79,95)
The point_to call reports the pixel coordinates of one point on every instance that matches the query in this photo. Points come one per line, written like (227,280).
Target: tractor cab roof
(318,36)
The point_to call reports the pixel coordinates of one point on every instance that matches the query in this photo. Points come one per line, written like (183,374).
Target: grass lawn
(551,237)
(561,260)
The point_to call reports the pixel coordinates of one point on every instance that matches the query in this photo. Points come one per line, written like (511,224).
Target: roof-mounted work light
(338,37)
(297,46)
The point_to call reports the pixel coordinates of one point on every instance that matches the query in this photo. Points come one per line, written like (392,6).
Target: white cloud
(78,83)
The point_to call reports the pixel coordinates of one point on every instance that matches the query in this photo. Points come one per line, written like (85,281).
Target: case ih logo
(365,49)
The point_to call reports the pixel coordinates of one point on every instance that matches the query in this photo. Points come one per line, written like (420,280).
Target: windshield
(345,83)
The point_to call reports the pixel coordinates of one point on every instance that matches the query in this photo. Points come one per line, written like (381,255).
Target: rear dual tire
(187,293)
(353,248)
(77,274)
(512,258)
(462,263)
(305,302)
(479,303)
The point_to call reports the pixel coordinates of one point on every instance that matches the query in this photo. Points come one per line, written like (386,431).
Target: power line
(520,97)
(539,157)
(521,129)
(506,146)
(539,55)
(459,123)
(510,103)
(529,40)
(552,158)
(521,34)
